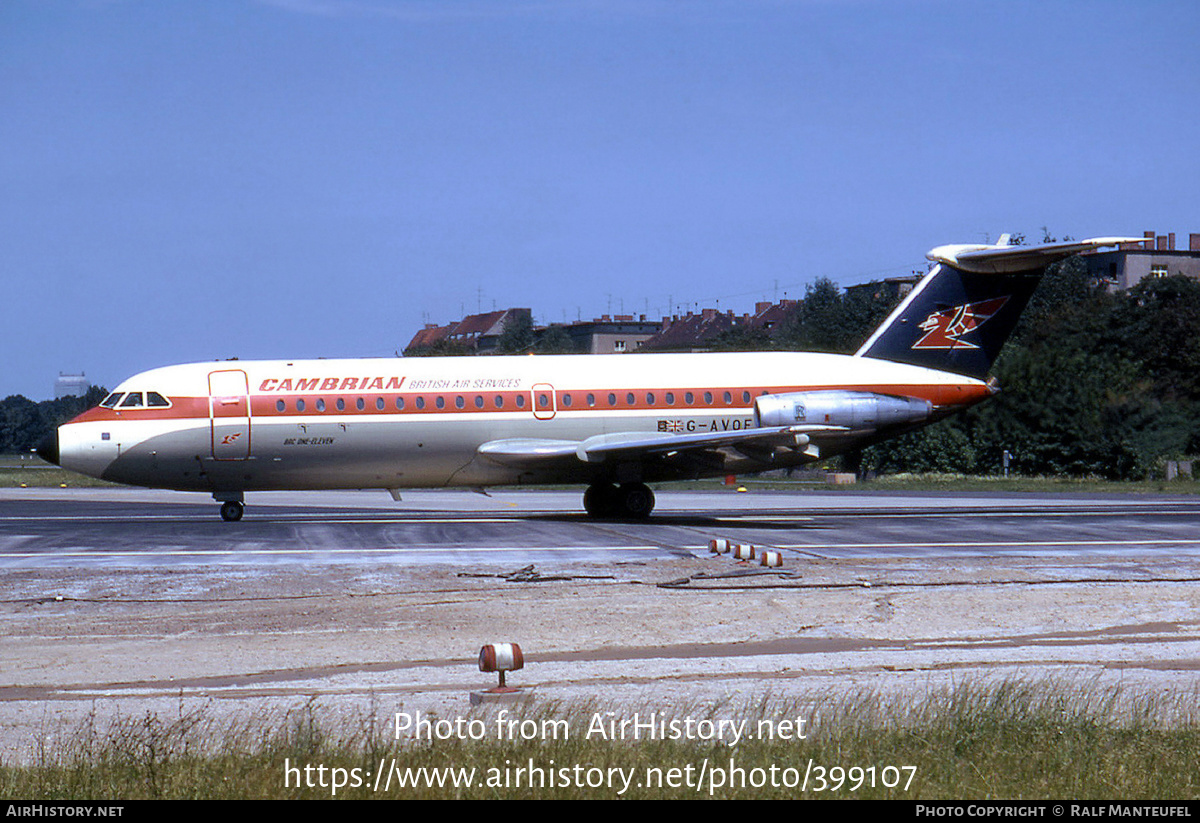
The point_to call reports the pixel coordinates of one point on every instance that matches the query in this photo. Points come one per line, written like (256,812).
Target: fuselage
(233,426)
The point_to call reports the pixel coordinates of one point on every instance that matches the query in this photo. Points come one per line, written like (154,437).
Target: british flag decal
(945,329)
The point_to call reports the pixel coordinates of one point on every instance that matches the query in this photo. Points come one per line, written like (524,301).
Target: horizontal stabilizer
(1004,259)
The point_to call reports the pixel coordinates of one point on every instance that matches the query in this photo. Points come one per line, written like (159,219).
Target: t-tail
(961,313)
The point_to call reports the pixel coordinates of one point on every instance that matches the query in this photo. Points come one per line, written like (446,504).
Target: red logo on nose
(944,329)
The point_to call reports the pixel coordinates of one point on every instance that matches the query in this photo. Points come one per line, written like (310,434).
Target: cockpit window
(135,400)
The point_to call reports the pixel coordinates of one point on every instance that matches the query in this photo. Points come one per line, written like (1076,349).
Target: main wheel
(600,500)
(232,510)
(636,500)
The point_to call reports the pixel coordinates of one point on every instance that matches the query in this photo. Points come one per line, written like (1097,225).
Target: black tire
(600,500)
(231,511)
(637,500)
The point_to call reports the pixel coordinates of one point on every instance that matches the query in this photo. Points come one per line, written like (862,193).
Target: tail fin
(962,311)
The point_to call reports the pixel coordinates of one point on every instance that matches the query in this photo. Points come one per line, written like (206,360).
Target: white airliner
(613,423)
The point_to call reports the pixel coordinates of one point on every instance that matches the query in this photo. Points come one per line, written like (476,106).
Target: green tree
(830,320)
(555,340)
(517,336)
(818,324)
(943,447)
(24,423)
(21,424)
(743,338)
(1066,411)
(1159,325)
(863,312)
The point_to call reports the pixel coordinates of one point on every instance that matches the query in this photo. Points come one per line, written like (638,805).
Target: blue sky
(185,181)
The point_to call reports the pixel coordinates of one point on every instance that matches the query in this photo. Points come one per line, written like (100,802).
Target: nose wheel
(232,510)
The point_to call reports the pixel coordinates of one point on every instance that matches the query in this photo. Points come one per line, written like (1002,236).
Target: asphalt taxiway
(88,527)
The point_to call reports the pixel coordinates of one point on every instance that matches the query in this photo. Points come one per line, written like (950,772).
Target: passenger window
(280,405)
(300,404)
(708,397)
(341,404)
(440,402)
(399,403)
(612,399)
(320,404)
(479,401)
(745,397)
(379,403)
(591,398)
(566,399)
(670,398)
(360,404)
(630,399)
(728,397)
(133,399)
(459,402)
(689,398)
(420,402)
(520,401)
(499,401)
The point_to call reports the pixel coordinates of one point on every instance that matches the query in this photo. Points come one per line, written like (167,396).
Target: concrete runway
(85,527)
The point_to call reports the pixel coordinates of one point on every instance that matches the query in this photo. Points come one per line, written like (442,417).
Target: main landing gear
(629,501)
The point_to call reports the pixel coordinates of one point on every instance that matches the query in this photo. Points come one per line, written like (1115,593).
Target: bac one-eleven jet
(612,423)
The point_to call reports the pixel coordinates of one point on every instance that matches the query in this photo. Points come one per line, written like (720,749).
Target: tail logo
(944,329)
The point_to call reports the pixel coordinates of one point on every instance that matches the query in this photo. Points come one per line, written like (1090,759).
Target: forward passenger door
(229,414)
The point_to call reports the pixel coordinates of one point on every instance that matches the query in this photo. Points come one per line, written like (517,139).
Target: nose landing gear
(232,505)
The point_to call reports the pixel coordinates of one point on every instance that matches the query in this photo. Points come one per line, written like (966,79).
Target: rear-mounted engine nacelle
(853,410)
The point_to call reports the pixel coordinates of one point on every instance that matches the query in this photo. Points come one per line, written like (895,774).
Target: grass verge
(50,477)
(1006,740)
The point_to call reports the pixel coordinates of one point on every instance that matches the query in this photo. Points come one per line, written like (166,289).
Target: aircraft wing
(524,451)
(626,445)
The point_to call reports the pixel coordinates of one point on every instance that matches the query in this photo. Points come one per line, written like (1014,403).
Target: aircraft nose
(48,448)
